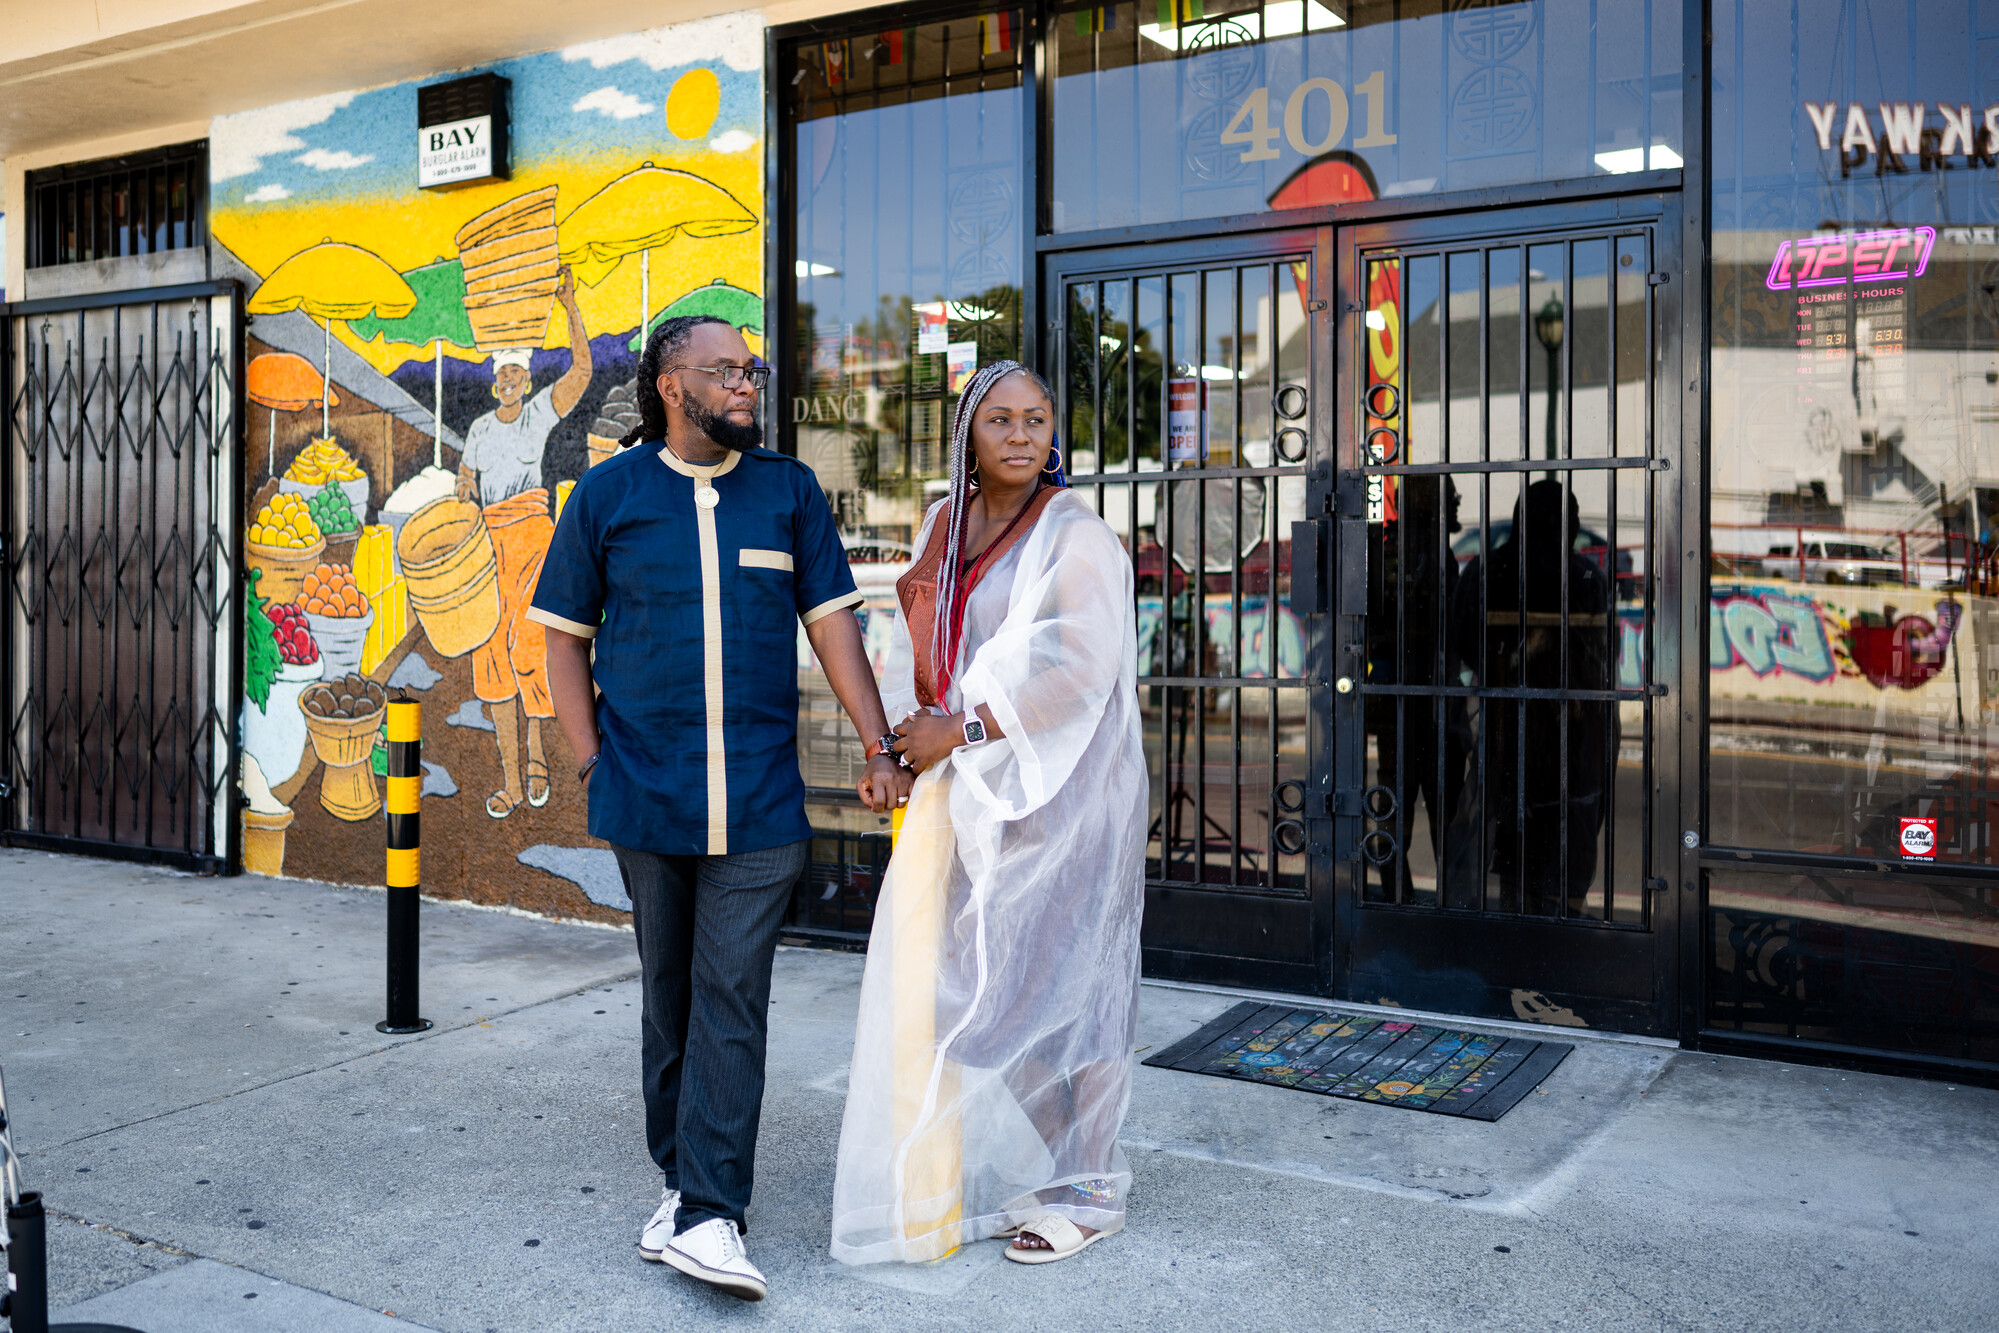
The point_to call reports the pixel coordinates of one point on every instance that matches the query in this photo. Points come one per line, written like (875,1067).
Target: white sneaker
(659,1231)
(713,1251)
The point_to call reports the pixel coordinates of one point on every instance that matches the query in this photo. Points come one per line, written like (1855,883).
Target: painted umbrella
(639,211)
(329,281)
(284,382)
(745,310)
(438,318)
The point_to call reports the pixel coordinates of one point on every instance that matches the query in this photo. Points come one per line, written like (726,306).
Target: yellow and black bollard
(405,782)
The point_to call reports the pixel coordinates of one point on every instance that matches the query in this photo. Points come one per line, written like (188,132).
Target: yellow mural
(406,233)
(439,366)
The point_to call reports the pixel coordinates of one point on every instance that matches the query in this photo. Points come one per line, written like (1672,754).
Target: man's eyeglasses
(732,377)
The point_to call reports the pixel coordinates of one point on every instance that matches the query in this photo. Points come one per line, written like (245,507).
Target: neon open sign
(1868,256)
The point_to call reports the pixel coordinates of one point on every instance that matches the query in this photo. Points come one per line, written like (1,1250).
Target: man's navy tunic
(694,609)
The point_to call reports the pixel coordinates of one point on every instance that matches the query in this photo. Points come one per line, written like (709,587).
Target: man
(502,466)
(685,562)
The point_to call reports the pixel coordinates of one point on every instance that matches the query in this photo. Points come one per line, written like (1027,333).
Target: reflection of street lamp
(1548,328)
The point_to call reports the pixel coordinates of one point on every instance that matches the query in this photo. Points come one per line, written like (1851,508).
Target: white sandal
(1063,1236)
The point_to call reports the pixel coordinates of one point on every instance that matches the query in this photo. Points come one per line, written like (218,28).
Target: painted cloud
(321,159)
(241,142)
(613,102)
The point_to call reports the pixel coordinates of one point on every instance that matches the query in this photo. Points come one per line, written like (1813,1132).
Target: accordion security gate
(122,606)
(1508,479)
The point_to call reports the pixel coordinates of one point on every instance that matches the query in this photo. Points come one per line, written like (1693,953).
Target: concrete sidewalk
(200,1094)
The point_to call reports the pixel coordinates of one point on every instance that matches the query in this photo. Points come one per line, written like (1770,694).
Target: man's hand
(466,485)
(929,739)
(884,785)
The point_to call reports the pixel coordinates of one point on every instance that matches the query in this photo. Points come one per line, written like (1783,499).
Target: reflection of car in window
(1838,562)
(877,562)
(875,550)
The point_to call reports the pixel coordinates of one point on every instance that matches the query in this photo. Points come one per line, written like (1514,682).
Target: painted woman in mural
(502,466)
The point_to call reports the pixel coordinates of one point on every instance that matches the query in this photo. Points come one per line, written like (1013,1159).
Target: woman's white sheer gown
(992,1060)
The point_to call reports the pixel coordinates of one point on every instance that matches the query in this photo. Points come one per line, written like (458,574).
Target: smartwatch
(975,730)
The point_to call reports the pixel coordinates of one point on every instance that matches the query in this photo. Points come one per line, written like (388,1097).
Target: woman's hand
(929,739)
(884,785)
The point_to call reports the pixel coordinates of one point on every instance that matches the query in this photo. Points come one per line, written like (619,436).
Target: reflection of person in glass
(992,1058)
(1542,835)
(502,466)
(1408,643)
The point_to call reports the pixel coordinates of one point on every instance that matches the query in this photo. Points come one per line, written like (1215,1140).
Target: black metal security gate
(1193,411)
(1504,780)
(122,606)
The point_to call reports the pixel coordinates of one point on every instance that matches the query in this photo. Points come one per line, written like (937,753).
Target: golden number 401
(1251,123)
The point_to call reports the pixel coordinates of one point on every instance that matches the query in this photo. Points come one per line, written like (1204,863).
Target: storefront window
(1166,110)
(1856,961)
(905,176)
(1853,621)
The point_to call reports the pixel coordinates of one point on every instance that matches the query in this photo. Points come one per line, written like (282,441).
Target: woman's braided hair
(944,644)
(663,348)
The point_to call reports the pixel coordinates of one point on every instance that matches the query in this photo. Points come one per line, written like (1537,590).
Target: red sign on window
(1919,838)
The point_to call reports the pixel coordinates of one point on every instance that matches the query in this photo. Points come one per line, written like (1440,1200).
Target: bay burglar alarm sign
(1919,838)
(461,135)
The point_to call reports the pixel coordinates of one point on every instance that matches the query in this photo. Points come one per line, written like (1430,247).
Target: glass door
(1508,452)
(1194,418)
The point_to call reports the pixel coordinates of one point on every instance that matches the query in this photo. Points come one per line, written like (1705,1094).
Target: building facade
(1555,441)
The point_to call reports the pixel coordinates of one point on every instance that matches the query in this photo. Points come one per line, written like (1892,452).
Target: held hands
(928,739)
(884,786)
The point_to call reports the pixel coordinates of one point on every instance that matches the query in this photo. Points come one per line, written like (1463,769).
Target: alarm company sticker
(1919,838)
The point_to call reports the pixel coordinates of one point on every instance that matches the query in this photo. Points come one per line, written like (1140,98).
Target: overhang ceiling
(75,72)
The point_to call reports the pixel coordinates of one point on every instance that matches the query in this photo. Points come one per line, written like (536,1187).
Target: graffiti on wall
(1786,635)
(1768,632)
(429,372)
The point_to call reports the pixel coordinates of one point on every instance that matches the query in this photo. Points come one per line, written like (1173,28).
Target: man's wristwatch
(975,730)
(883,744)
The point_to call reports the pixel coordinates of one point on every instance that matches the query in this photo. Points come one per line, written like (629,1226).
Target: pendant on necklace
(707,496)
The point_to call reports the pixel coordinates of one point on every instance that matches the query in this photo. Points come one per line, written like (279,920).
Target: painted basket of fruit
(337,519)
(321,463)
(274,735)
(342,714)
(339,615)
(285,543)
(618,417)
(342,717)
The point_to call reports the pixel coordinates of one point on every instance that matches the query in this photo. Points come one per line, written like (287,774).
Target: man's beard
(720,429)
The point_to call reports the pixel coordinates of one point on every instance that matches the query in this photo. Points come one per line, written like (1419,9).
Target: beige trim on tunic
(711,644)
(553,621)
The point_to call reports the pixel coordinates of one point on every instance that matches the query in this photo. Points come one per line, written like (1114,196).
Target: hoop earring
(496,391)
(1053,467)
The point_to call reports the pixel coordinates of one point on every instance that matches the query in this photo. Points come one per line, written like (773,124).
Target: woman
(992,1062)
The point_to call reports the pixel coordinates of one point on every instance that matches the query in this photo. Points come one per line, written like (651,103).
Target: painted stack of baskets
(511,271)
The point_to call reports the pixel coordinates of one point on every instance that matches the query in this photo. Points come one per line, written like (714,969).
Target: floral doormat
(1476,1075)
